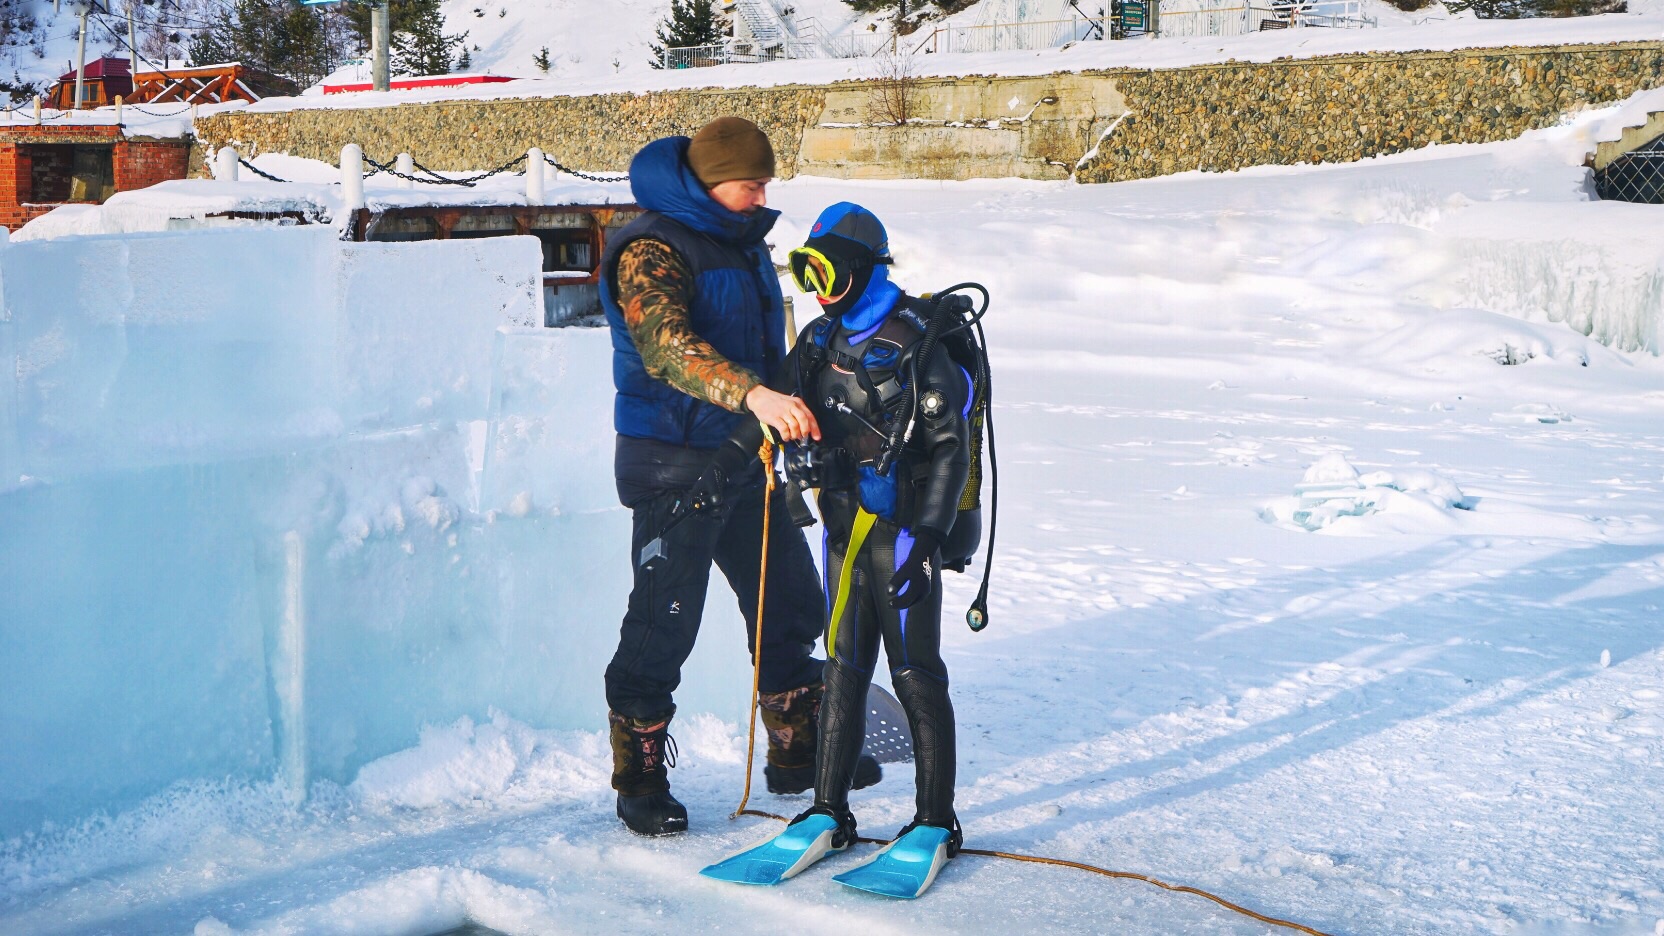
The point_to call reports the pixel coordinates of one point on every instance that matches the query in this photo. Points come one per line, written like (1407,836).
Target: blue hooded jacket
(737,305)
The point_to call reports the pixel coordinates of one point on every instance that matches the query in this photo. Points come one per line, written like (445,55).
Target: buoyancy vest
(870,381)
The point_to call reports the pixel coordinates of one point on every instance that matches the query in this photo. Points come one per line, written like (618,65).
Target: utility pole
(81,58)
(381,39)
(381,42)
(133,42)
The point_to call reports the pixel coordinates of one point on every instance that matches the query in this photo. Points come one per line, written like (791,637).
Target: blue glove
(916,578)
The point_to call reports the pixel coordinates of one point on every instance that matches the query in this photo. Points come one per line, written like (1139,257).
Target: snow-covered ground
(1329,572)
(601,46)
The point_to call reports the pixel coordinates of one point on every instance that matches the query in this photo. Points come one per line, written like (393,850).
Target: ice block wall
(269,502)
(1574,263)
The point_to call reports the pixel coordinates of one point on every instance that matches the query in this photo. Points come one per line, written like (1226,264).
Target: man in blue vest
(698,325)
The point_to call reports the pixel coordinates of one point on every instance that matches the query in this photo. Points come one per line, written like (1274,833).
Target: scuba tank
(952,317)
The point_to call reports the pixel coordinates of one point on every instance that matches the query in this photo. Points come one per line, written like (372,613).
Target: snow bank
(311,188)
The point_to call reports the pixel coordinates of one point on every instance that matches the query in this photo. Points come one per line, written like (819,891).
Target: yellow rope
(1037,859)
(863,523)
(766,453)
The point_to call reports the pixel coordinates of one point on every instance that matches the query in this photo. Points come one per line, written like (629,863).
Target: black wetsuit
(855,388)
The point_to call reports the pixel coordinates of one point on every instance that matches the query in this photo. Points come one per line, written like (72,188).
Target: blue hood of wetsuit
(878,300)
(847,229)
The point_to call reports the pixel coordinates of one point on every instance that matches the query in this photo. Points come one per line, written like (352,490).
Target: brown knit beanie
(730,148)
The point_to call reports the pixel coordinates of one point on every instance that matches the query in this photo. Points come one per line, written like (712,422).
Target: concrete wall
(1213,117)
(964,128)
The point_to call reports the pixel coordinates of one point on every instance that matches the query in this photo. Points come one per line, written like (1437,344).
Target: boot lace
(653,750)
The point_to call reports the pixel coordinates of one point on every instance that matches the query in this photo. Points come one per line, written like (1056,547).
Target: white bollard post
(193,114)
(406,164)
(37,110)
(118,110)
(534,176)
(352,176)
(225,168)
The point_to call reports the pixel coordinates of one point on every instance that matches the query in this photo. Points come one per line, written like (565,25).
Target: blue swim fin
(906,867)
(801,845)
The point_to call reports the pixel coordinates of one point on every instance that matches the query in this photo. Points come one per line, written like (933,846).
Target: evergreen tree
(542,60)
(17,24)
(1521,9)
(275,36)
(690,23)
(901,7)
(20,91)
(420,44)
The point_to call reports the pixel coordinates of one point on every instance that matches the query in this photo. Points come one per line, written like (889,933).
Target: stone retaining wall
(1342,108)
(598,133)
(1212,117)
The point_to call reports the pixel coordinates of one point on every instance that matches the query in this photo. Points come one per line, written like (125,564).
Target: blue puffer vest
(737,305)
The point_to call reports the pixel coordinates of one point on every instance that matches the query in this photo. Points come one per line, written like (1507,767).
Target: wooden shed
(105,78)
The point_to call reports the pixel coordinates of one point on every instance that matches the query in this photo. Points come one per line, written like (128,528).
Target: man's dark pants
(667,602)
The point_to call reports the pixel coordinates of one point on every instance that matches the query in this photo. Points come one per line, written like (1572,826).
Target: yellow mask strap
(812,271)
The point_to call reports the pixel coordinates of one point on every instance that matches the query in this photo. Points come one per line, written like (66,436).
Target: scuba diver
(898,395)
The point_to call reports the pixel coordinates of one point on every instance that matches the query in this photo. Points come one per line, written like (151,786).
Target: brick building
(44,166)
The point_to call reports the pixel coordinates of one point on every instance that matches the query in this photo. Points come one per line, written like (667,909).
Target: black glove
(916,578)
(728,462)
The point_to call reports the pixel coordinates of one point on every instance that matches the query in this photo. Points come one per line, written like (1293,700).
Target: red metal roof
(106,67)
(427,81)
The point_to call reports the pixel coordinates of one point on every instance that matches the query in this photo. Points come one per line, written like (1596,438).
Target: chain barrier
(441,180)
(30,116)
(435,178)
(141,110)
(264,175)
(592,177)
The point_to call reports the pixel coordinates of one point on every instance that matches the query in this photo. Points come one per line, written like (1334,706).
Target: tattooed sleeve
(654,289)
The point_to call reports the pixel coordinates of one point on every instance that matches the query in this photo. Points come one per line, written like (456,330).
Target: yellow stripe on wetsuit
(857,537)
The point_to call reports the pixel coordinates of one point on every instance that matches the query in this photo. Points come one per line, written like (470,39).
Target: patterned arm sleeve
(655,288)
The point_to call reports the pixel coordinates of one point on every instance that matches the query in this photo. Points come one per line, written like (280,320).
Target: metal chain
(471,179)
(388,168)
(437,179)
(256,171)
(592,177)
(141,110)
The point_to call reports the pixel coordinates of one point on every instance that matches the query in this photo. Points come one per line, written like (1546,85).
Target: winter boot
(642,749)
(792,719)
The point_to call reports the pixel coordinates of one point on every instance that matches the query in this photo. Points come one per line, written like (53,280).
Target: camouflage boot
(793,720)
(642,750)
